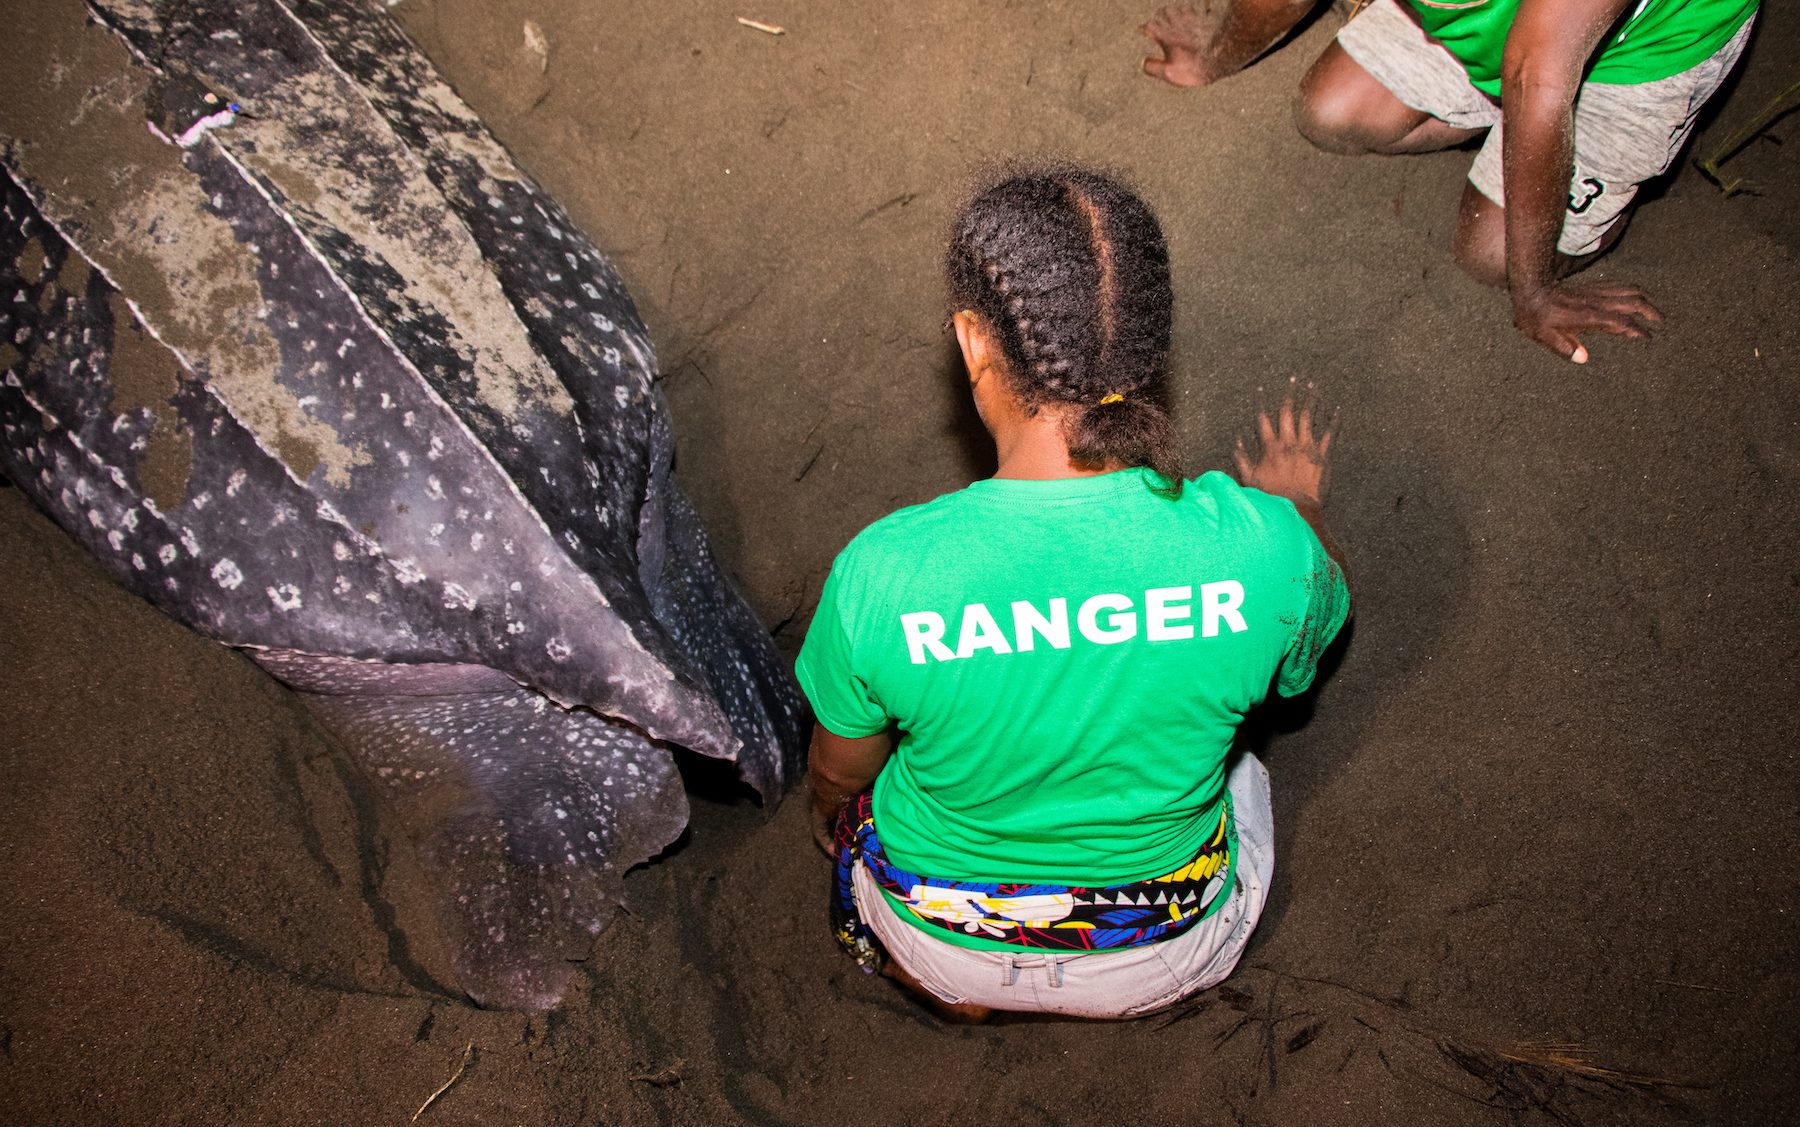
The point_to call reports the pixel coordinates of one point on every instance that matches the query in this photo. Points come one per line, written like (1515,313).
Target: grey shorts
(1123,983)
(1624,135)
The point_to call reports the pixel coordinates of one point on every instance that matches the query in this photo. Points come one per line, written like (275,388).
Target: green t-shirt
(1067,663)
(1655,39)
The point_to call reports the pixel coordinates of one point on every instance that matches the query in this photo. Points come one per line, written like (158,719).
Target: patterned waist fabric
(1036,916)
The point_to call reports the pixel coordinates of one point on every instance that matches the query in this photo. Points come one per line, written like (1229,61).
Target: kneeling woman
(1067,648)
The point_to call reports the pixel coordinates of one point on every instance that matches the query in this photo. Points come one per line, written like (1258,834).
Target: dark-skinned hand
(1292,461)
(1555,315)
(1183,33)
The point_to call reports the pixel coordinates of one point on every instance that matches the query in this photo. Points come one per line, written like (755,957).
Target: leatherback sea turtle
(295,348)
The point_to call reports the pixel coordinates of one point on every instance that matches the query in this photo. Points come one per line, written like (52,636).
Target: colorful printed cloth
(1057,917)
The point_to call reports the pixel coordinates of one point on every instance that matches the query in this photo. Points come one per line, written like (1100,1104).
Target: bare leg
(1481,240)
(1343,109)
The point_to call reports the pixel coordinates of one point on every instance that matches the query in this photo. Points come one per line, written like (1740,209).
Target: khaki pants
(1121,983)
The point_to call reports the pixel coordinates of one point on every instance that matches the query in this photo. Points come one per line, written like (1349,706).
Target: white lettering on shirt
(1105,619)
(1027,620)
(924,630)
(1221,600)
(980,632)
(1124,623)
(1159,611)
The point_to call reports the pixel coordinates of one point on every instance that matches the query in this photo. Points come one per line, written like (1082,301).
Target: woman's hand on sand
(1183,34)
(1553,316)
(1292,461)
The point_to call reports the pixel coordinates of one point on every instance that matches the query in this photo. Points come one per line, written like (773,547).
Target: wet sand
(1547,796)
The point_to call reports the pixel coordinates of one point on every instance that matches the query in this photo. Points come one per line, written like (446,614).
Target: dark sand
(1549,794)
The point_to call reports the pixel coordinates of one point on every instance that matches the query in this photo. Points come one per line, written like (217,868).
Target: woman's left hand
(824,817)
(838,769)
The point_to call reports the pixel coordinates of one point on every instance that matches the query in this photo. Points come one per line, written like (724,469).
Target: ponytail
(1127,431)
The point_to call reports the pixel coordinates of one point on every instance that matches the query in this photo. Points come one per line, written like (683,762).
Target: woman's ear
(972,337)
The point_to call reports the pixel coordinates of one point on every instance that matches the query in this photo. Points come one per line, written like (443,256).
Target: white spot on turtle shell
(455,596)
(166,554)
(285,597)
(226,574)
(407,571)
(340,551)
(557,649)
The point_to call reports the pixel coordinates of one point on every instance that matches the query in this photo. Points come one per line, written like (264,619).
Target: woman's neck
(1033,449)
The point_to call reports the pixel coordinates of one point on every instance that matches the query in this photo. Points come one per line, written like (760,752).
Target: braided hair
(1069,270)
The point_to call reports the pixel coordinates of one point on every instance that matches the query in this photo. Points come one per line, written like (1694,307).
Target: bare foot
(1184,33)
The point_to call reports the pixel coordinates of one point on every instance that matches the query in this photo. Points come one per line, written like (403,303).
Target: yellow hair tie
(1114,397)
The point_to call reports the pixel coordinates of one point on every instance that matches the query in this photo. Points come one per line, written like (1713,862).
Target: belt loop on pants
(1009,975)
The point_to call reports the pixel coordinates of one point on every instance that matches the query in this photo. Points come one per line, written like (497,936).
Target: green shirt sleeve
(1322,608)
(841,700)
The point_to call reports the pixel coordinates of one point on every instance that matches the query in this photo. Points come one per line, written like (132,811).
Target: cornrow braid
(1069,269)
